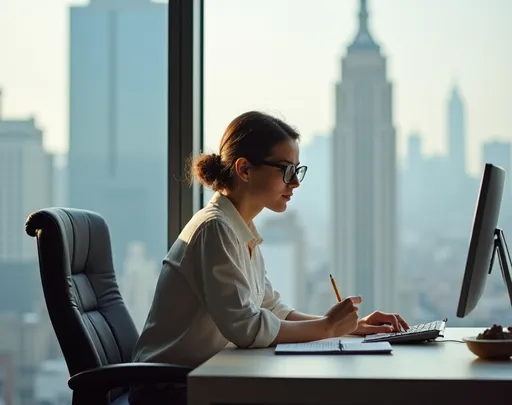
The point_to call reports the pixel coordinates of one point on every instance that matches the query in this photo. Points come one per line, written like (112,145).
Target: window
(399,104)
(83,123)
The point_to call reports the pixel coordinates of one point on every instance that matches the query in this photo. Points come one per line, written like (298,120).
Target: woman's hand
(342,317)
(380,322)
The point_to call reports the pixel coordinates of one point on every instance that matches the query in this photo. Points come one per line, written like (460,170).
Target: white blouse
(211,291)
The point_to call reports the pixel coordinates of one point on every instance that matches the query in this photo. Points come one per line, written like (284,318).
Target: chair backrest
(86,309)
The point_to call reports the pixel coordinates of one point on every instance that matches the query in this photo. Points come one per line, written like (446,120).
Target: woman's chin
(279,206)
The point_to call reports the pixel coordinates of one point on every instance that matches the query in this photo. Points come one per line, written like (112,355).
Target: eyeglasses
(290,171)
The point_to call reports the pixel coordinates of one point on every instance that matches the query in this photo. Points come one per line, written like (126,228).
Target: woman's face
(266,182)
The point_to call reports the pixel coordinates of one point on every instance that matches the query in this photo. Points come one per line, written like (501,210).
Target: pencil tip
(330,275)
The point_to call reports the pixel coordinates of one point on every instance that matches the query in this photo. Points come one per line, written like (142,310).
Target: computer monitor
(486,241)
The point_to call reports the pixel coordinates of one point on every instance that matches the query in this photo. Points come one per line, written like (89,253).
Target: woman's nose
(295,182)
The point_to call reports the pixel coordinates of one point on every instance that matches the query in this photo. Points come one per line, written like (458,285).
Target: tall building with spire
(364,175)
(456,134)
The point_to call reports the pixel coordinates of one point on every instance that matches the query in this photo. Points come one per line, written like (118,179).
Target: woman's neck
(244,204)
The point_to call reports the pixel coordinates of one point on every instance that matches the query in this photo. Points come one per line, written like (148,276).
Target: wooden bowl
(489,348)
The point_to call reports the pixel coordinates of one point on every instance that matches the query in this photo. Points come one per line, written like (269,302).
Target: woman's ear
(242,167)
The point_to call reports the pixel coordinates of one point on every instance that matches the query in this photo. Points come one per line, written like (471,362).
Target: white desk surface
(430,373)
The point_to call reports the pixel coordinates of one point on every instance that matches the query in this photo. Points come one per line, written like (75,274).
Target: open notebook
(333,347)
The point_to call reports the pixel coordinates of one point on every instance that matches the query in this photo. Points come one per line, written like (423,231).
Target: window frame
(185,110)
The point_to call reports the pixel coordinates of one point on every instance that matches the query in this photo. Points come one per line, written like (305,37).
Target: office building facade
(118,120)
(285,257)
(25,186)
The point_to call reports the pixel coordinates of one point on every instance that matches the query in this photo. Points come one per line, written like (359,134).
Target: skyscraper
(414,151)
(284,249)
(138,282)
(118,120)
(364,175)
(25,186)
(456,134)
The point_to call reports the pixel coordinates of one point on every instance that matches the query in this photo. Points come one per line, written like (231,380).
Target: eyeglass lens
(291,171)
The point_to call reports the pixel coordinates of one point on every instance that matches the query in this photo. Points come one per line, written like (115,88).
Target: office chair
(94,329)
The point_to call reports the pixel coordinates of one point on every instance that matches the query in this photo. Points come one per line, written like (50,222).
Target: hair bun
(218,158)
(208,169)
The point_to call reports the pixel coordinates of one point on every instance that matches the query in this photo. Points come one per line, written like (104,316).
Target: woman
(213,287)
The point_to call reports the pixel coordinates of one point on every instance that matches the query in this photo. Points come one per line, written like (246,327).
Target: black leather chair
(94,329)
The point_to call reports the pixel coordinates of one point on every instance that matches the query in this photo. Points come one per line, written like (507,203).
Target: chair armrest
(107,378)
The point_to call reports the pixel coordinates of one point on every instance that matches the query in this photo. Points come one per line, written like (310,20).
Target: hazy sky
(283,56)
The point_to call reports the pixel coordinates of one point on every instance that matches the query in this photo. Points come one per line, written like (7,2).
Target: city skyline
(424,65)
(401,227)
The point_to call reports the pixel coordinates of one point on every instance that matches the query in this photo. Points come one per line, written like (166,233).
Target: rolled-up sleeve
(272,301)
(226,290)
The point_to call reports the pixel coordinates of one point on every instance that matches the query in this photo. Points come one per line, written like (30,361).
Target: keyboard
(417,333)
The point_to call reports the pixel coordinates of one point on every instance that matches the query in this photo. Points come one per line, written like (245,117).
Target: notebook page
(309,347)
(358,347)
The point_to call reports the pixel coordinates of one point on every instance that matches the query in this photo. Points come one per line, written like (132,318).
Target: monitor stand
(501,248)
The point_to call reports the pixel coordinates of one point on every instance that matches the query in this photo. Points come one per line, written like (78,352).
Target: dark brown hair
(251,135)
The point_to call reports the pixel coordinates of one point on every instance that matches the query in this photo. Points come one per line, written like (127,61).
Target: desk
(432,373)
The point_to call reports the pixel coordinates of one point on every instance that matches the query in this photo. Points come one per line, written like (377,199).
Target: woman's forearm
(299,316)
(303,331)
